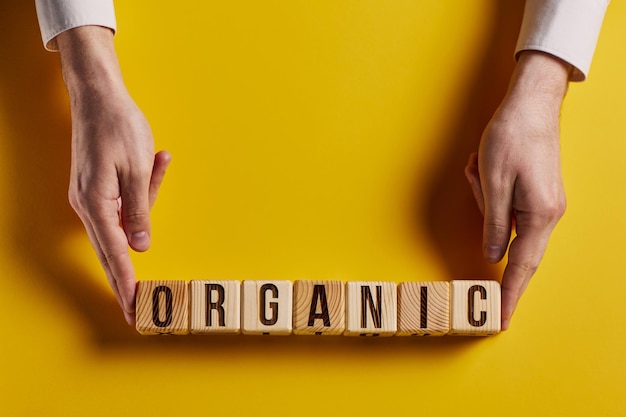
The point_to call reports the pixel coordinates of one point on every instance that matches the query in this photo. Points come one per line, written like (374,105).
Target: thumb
(136,211)
(473,177)
(498,213)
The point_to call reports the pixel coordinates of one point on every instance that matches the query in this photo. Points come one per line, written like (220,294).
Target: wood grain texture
(319,308)
(475,308)
(162,307)
(371,308)
(423,308)
(267,307)
(215,307)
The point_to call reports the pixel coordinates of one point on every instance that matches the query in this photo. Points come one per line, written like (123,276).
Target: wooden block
(371,308)
(215,307)
(475,308)
(423,308)
(162,307)
(267,307)
(319,308)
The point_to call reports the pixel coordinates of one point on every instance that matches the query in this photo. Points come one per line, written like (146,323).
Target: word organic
(319,308)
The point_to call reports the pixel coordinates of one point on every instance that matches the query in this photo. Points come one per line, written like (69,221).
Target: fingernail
(140,240)
(493,253)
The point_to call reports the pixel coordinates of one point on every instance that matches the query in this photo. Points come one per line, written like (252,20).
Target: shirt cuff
(56,16)
(567,29)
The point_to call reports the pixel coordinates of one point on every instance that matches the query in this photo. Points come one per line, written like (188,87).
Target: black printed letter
(214,305)
(471,308)
(263,304)
(423,307)
(156,317)
(376,310)
(319,292)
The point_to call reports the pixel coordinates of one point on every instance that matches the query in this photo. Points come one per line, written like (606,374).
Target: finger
(525,255)
(498,212)
(112,249)
(134,191)
(473,177)
(516,276)
(129,317)
(128,314)
(161,161)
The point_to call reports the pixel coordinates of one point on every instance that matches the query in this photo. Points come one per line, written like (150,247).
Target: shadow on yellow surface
(37,146)
(40,220)
(451,216)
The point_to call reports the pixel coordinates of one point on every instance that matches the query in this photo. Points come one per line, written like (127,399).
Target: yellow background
(311,140)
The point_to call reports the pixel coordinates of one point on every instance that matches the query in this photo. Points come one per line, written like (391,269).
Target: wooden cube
(267,307)
(371,308)
(215,307)
(475,308)
(319,308)
(162,307)
(423,308)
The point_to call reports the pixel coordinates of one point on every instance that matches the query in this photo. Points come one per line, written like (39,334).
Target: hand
(516,176)
(115,175)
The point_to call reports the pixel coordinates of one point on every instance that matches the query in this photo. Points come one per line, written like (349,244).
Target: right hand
(516,174)
(115,174)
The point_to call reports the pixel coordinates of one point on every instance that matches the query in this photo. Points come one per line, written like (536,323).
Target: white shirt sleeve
(56,16)
(567,29)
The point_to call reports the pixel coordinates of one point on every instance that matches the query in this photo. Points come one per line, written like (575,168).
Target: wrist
(540,76)
(89,62)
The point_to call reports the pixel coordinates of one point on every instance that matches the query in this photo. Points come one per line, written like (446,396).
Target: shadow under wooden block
(215,307)
(267,307)
(371,308)
(162,307)
(475,308)
(319,308)
(423,308)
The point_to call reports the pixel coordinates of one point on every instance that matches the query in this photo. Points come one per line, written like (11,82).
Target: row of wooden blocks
(356,308)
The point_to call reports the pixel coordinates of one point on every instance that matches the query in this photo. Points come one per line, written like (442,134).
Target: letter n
(367,301)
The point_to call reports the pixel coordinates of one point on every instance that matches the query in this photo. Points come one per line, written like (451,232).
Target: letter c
(471,308)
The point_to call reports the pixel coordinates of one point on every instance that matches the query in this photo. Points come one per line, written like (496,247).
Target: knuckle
(497,227)
(497,224)
(89,204)
(111,257)
(80,201)
(524,269)
(562,206)
(73,199)
(135,216)
(550,209)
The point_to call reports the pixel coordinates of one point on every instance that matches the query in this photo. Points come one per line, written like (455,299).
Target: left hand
(115,174)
